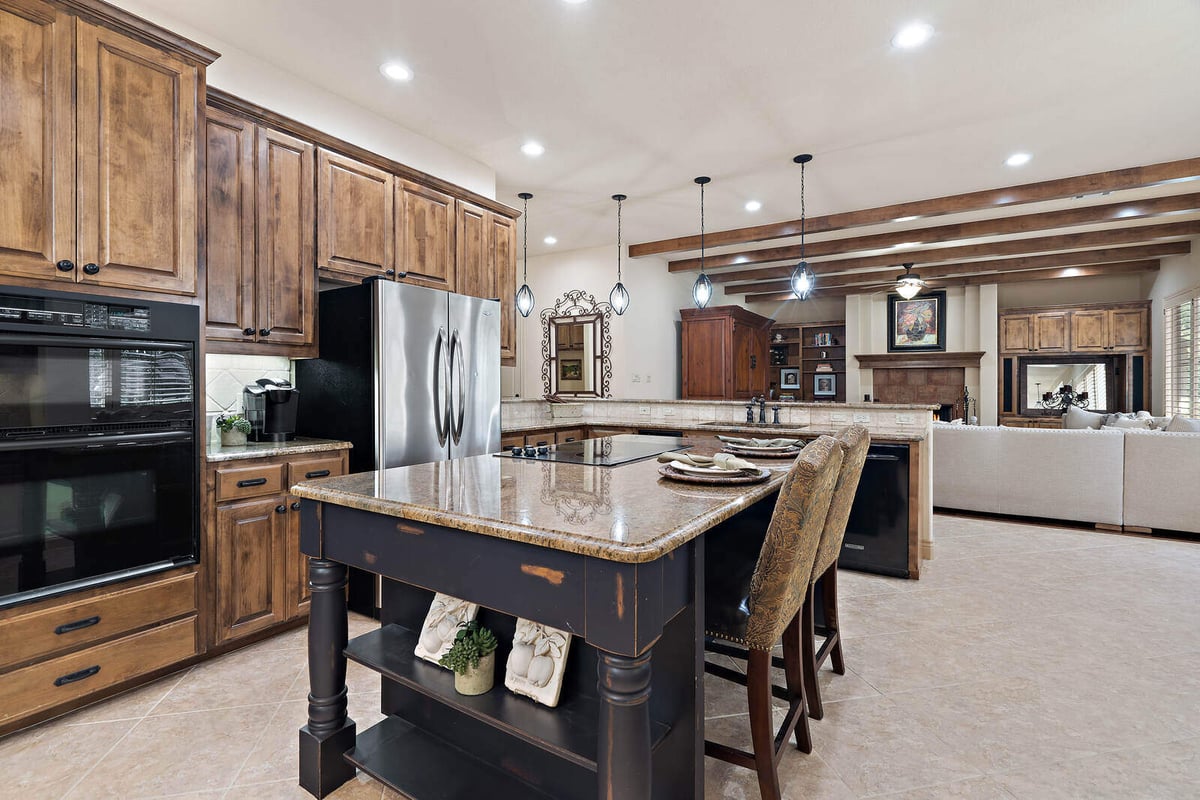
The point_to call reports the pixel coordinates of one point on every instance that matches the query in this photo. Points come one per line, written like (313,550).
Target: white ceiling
(640,96)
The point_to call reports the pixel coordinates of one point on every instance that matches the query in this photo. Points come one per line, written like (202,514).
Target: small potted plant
(233,428)
(473,659)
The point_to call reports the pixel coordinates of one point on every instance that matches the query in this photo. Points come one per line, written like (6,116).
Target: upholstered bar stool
(853,442)
(755,607)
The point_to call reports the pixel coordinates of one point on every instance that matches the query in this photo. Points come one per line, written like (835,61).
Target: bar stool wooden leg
(793,671)
(812,690)
(830,602)
(758,693)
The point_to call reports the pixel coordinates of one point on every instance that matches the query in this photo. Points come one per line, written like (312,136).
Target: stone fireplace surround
(927,377)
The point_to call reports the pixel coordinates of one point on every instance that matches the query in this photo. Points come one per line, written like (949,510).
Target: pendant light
(803,281)
(618,298)
(525,294)
(702,289)
(909,285)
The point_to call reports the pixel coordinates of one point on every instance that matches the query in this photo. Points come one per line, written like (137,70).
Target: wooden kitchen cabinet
(355,218)
(725,353)
(486,263)
(473,261)
(101,186)
(504,267)
(304,468)
(260,204)
(1042,332)
(1112,329)
(425,228)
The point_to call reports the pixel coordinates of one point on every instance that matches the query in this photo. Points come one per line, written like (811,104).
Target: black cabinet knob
(66,265)
(391,273)
(247,331)
(91,269)
(281,509)
(264,331)
(296,506)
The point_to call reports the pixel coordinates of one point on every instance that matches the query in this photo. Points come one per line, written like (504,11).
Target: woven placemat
(733,449)
(732,479)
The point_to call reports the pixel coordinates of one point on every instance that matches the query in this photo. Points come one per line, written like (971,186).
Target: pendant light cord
(619,240)
(702,229)
(525,243)
(803,214)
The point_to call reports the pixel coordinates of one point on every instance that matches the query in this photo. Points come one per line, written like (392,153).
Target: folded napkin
(760,442)
(721,461)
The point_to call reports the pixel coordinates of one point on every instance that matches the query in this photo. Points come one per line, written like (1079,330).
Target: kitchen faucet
(762,411)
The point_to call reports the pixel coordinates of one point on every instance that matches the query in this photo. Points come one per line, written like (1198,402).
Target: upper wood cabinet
(355,218)
(425,226)
(1111,329)
(1047,331)
(486,266)
(101,186)
(725,353)
(504,267)
(474,260)
(261,273)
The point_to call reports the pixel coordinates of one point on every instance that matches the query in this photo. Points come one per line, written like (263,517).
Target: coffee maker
(270,407)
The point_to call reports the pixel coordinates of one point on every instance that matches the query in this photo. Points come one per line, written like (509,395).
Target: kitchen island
(615,555)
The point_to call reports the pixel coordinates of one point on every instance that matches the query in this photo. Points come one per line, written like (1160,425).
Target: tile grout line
(250,750)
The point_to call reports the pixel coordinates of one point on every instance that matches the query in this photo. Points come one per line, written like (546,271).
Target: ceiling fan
(908,285)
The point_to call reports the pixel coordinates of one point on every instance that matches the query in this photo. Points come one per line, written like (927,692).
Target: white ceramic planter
(478,680)
(232,438)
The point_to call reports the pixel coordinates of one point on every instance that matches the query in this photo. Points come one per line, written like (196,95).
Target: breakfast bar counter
(614,555)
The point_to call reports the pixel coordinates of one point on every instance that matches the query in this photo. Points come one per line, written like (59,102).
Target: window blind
(1182,355)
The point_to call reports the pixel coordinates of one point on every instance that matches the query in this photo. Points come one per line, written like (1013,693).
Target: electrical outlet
(637,378)
(644,410)
(863,418)
(647,377)
(904,419)
(669,411)
(837,416)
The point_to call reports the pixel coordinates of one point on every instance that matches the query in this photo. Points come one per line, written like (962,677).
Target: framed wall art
(917,324)
(789,378)
(570,369)
(824,385)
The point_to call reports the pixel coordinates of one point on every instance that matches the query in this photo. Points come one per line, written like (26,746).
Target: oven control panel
(74,314)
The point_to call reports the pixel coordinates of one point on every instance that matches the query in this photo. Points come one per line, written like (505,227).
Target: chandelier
(1063,399)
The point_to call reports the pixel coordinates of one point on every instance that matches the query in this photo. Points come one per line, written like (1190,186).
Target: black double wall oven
(99,466)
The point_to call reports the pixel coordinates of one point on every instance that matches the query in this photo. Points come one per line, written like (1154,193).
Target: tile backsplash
(225,375)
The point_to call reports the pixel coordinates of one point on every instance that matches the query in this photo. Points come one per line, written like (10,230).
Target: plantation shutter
(1182,354)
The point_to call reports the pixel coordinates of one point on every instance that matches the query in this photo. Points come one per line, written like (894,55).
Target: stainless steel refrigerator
(408,374)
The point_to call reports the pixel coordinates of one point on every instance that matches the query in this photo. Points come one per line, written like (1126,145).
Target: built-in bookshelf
(807,358)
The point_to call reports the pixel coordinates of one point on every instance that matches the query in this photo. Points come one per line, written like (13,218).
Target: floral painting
(917,324)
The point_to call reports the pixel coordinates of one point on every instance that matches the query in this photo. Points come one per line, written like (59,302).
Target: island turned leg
(624,755)
(329,732)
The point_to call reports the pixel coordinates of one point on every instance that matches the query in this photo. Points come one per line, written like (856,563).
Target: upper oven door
(54,385)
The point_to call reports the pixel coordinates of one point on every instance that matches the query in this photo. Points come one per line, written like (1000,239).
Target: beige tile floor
(1028,662)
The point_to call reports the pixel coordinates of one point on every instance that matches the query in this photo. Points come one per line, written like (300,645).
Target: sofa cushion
(1182,424)
(1078,419)
(1134,423)
(1158,469)
(965,467)
(1061,474)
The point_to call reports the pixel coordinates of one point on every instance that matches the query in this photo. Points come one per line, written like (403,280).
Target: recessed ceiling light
(532,148)
(905,219)
(753,205)
(912,35)
(550,240)
(574,2)
(396,71)
(1018,159)
(906,244)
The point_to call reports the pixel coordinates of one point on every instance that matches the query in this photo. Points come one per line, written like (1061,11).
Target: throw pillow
(1077,419)
(1182,424)
(1160,423)
(1126,423)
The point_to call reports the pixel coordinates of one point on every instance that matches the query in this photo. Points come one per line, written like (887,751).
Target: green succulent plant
(233,422)
(471,643)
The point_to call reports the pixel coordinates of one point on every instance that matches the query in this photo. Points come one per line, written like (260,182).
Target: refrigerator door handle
(458,357)
(441,399)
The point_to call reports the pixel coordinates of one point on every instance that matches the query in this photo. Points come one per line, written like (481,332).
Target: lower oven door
(85,510)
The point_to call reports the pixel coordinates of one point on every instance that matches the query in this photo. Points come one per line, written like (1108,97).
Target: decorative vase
(477,680)
(232,438)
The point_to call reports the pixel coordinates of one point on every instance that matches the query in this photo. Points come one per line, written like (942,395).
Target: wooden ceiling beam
(1119,268)
(1000,226)
(1142,234)
(1048,261)
(1057,189)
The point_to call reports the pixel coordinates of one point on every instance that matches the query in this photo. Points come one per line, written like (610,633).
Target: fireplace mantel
(921,360)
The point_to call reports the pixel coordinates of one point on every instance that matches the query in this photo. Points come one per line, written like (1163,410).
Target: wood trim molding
(1078,307)
(1113,180)
(918,360)
(236,105)
(143,30)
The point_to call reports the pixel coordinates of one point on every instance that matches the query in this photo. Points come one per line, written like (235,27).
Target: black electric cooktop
(608,451)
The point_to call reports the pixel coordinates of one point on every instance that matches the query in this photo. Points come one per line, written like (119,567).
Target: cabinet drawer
(71,624)
(69,677)
(568,435)
(313,468)
(234,483)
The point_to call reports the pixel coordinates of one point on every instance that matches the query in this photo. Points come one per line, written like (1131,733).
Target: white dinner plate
(707,470)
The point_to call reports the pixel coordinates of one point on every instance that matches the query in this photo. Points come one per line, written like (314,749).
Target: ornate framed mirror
(576,346)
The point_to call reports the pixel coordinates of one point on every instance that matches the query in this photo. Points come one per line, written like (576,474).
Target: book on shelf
(823,367)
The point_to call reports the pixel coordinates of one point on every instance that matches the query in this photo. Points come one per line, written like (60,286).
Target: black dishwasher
(877,531)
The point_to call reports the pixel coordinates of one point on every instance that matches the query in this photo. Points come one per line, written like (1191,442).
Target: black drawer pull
(316,473)
(296,506)
(66,265)
(251,482)
(91,269)
(77,625)
(281,508)
(77,676)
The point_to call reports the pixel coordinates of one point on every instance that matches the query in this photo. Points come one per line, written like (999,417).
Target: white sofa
(1162,478)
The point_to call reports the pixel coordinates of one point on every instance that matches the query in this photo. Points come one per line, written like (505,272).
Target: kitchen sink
(783,426)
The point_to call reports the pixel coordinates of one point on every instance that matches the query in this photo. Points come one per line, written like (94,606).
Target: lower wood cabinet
(259,579)
(725,353)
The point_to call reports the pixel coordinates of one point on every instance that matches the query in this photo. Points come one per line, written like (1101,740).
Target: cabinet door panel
(504,272)
(286,278)
(355,220)
(37,154)
(299,592)
(137,191)
(425,236)
(229,225)
(473,265)
(250,593)
(1128,329)
(1051,331)
(706,359)
(1016,333)
(1089,330)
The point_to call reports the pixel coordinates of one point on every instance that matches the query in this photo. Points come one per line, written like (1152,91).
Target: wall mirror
(1096,375)
(576,347)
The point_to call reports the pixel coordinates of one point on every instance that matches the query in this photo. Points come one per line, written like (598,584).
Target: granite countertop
(737,403)
(907,433)
(298,446)
(627,513)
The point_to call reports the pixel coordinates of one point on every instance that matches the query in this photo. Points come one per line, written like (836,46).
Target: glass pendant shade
(618,298)
(908,288)
(702,291)
(803,281)
(524,300)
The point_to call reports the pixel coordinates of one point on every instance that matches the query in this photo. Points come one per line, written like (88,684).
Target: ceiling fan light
(803,281)
(909,286)
(702,291)
(618,298)
(524,300)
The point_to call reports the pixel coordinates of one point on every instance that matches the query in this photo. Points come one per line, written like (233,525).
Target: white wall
(1175,274)
(1070,291)
(250,78)
(645,353)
